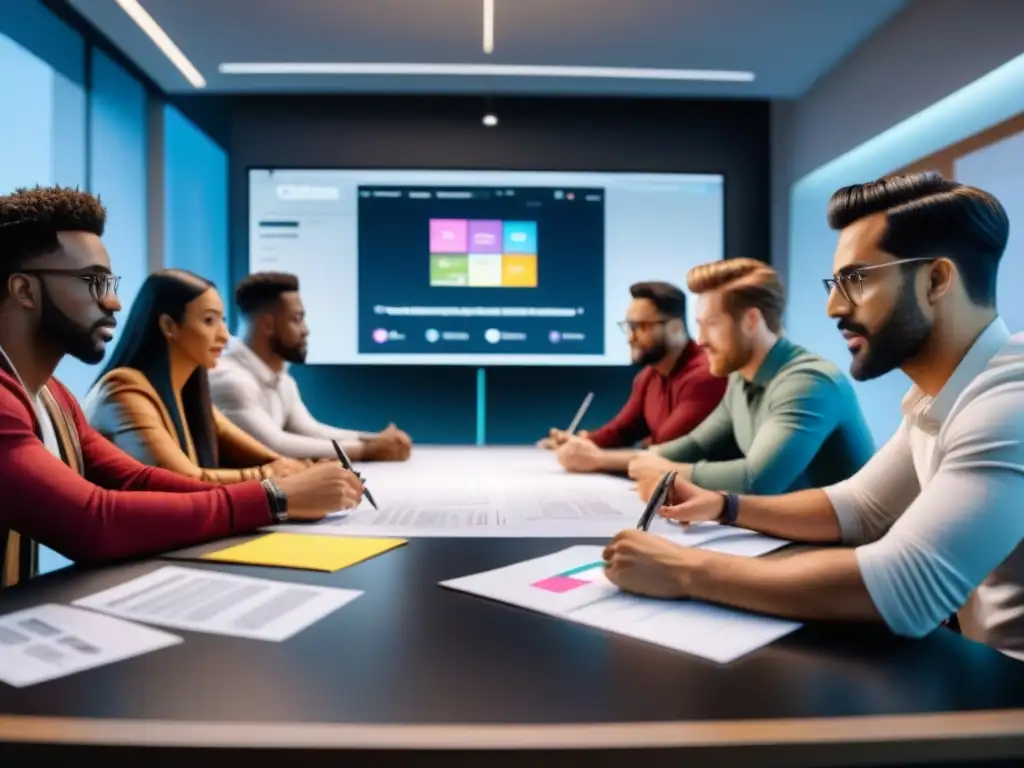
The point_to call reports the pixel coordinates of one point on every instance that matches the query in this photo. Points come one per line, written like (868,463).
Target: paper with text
(570,584)
(506,493)
(220,603)
(52,641)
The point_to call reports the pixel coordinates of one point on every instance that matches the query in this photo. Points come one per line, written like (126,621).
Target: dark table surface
(410,652)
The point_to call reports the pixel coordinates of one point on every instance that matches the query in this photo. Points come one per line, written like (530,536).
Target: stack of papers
(311,553)
(571,585)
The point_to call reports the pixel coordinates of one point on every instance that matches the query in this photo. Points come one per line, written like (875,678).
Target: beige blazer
(125,408)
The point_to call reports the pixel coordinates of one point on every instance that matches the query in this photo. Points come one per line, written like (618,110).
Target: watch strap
(730,509)
(277,499)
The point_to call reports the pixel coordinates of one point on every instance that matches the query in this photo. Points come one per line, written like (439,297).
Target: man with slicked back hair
(933,524)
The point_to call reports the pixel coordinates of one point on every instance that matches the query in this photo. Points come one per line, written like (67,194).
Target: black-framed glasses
(851,284)
(638,325)
(101,284)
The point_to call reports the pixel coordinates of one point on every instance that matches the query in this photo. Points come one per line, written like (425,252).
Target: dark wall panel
(439,404)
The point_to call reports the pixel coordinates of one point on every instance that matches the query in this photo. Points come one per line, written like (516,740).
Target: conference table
(432,676)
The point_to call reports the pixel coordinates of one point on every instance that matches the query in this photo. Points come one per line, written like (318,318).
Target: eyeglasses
(100,284)
(638,325)
(849,283)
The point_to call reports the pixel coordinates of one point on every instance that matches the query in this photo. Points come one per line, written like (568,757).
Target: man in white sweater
(252,387)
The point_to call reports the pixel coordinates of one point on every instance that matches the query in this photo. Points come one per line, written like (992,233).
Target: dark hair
(261,290)
(30,220)
(143,347)
(745,284)
(667,298)
(929,216)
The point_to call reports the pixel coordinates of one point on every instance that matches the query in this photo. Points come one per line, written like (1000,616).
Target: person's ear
(266,324)
(168,327)
(941,277)
(20,288)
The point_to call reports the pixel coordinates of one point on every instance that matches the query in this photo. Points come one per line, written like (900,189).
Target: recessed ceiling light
(490,120)
(482,70)
(162,40)
(488,26)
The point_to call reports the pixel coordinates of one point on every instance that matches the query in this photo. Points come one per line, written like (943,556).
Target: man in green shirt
(789,419)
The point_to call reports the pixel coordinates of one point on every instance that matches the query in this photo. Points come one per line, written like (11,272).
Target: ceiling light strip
(488,26)
(162,40)
(481,70)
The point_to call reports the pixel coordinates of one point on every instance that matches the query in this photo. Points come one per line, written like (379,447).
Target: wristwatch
(277,499)
(730,509)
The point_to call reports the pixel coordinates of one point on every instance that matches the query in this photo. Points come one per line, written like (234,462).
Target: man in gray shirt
(933,524)
(252,387)
(789,419)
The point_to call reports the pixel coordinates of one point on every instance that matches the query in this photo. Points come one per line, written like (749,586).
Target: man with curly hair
(64,485)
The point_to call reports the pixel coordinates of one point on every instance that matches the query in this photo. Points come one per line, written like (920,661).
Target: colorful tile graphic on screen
(566,581)
(449,236)
(485,236)
(518,271)
(483,253)
(520,237)
(449,270)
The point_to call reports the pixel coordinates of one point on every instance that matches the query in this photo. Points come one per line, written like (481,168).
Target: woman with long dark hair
(153,398)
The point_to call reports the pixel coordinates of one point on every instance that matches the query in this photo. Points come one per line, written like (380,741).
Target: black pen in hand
(343,458)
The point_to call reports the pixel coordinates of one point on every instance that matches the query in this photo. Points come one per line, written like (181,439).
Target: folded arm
(629,426)
(959,529)
(239,401)
(712,437)
(47,501)
(802,414)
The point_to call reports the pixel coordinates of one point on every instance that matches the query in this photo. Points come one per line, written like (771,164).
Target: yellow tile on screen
(518,271)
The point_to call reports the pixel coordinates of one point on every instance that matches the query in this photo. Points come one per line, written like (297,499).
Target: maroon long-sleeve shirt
(662,408)
(120,508)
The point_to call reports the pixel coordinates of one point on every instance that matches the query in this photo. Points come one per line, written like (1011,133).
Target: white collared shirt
(939,510)
(268,406)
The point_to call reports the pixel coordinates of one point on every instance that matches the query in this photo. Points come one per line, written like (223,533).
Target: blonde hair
(744,284)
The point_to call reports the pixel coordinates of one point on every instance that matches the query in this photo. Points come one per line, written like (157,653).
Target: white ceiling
(786,44)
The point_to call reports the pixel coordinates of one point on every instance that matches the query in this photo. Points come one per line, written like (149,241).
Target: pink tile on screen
(485,236)
(449,236)
(559,583)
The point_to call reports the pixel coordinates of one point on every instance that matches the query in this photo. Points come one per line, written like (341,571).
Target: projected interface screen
(477,267)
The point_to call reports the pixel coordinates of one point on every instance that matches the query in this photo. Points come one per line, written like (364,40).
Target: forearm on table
(805,516)
(616,459)
(820,585)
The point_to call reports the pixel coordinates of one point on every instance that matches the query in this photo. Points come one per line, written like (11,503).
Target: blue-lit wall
(983,103)
(195,201)
(57,128)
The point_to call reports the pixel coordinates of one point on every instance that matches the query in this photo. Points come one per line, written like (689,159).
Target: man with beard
(64,485)
(789,419)
(673,393)
(932,524)
(252,387)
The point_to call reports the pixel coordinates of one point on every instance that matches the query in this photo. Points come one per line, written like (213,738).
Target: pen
(658,499)
(580,413)
(343,458)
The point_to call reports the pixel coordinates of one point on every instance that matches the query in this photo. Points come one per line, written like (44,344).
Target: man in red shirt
(63,484)
(672,394)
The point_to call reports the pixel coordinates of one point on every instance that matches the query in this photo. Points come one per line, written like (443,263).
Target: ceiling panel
(787,44)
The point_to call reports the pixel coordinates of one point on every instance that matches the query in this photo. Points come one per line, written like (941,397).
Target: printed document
(52,641)
(506,493)
(571,585)
(220,603)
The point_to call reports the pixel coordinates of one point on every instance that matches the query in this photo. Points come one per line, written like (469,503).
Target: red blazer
(119,508)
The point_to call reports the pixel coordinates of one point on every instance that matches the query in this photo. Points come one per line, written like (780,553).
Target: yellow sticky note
(311,553)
